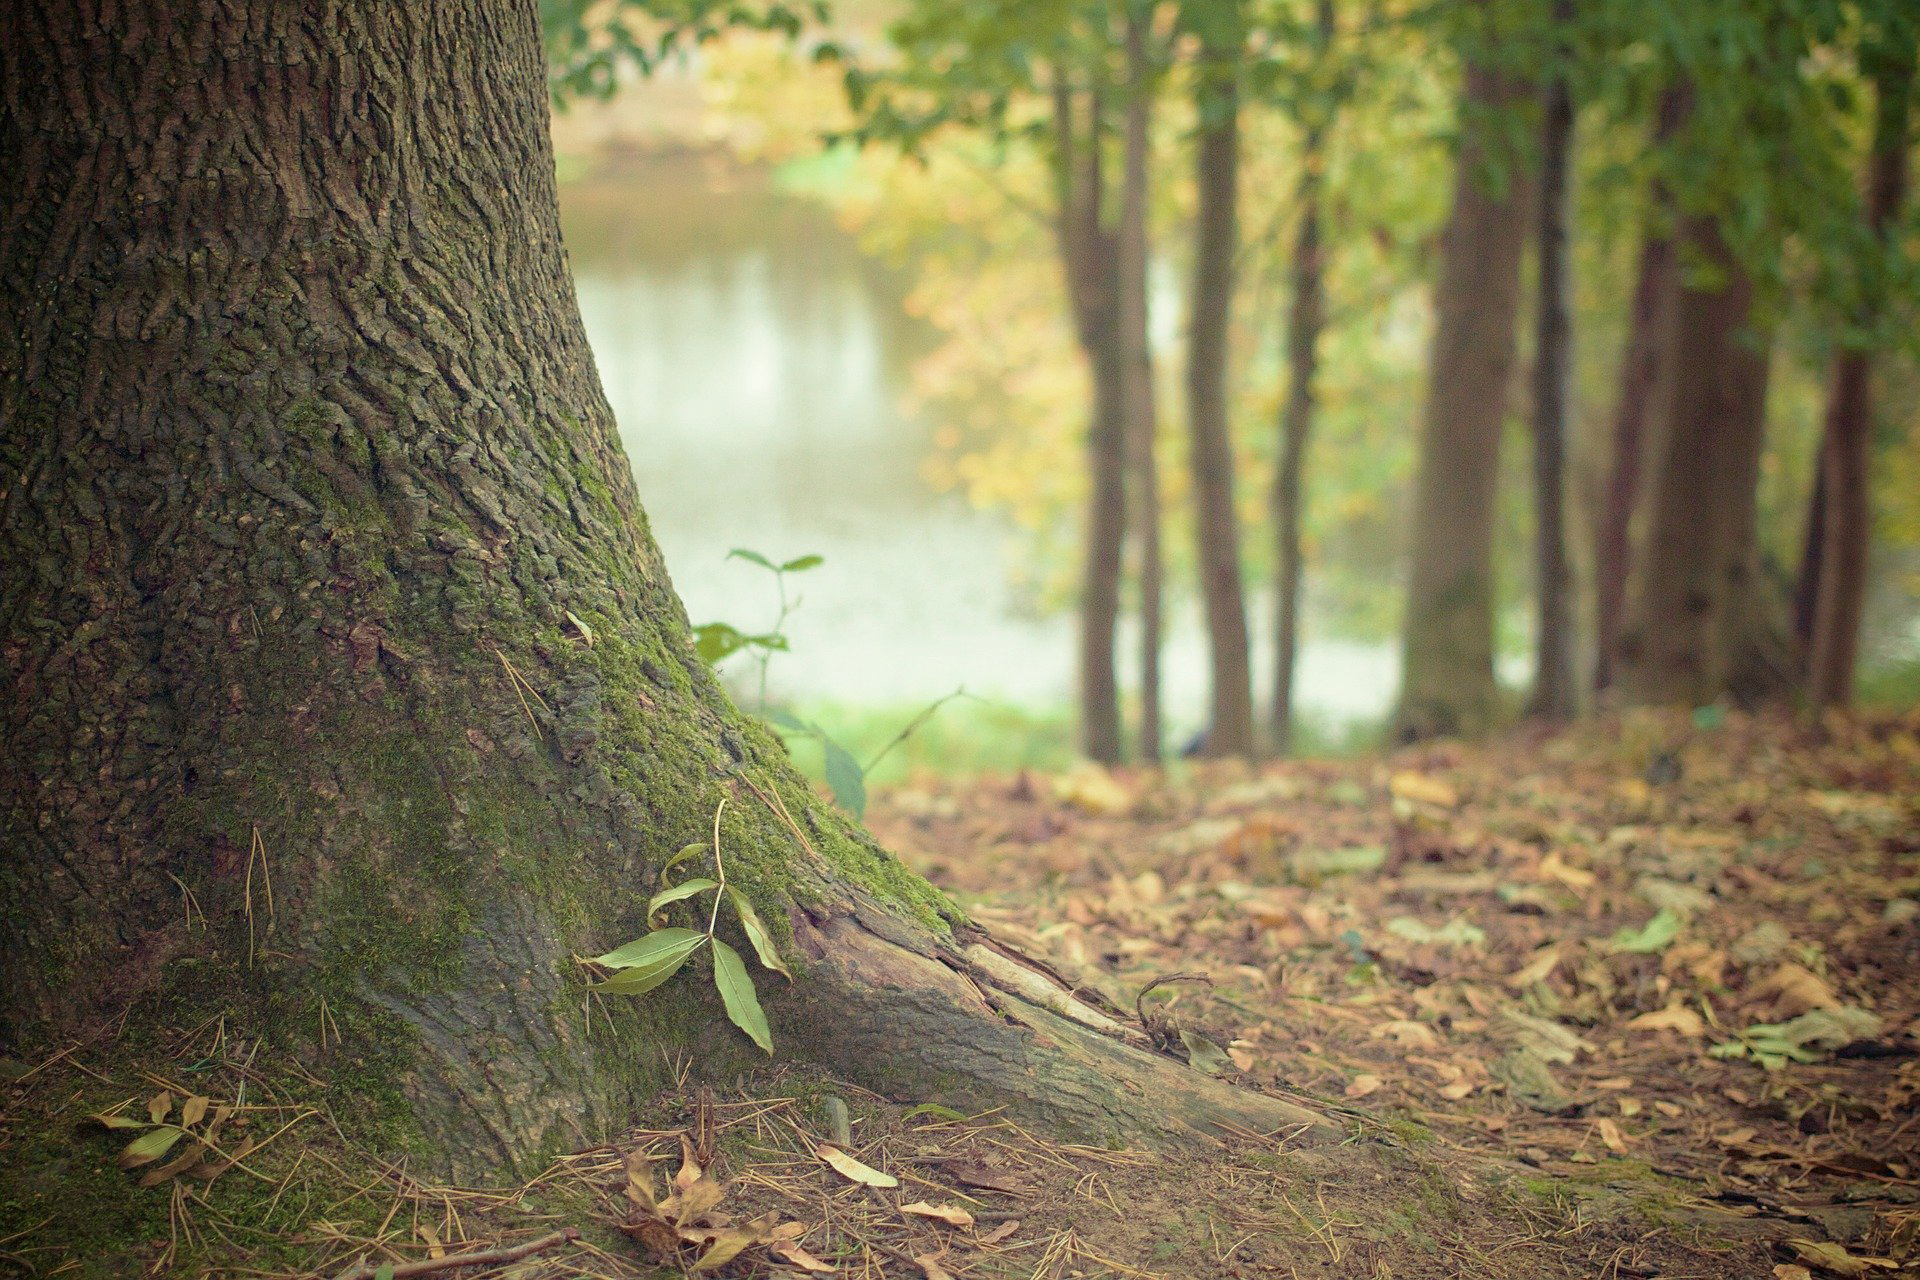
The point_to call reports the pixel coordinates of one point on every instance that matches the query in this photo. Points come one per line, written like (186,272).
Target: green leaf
(650,961)
(150,1146)
(121,1122)
(848,780)
(800,564)
(937,1111)
(1203,1054)
(758,934)
(736,992)
(788,721)
(693,850)
(699,884)
(715,641)
(383,1272)
(752,557)
(1656,935)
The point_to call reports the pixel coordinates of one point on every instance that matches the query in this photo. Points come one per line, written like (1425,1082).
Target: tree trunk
(1847,448)
(1089,255)
(1448,683)
(347,685)
(1230,729)
(1694,608)
(1142,417)
(1306,317)
(1641,367)
(1553,682)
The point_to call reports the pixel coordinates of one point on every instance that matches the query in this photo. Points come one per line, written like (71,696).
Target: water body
(757,363)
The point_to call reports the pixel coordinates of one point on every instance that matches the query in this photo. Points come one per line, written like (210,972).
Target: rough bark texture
(320,565)
(1217,528)
(1846,509)
(1448,684)
(1553,695)
(1306,317)
(1695,611)
(1142,416)
(1641,368)
(1089,253)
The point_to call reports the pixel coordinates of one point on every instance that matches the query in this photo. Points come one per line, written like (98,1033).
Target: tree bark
(1694,608)
(1089,254)
(1553,680)
(1216,239)
(321,568)
(1142,426)
(1306,317)
(1448,681)
(1847,446)
(1642,365)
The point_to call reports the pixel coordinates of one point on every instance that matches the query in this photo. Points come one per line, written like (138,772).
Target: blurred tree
(1315,103)
(1553,682)
(1222,38)
(1842,503)
(1447,640)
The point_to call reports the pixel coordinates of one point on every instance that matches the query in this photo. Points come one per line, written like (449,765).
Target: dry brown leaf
(1828,1256)
(1538,969)
(158,1106)
(1791,1271)
(1675,1017)
(952,1215)
(1611,1135)
(1001,1232)
(1363,1084)
(852,1170)
(930,1266)
(1793,990)
(192,1110)
(640,1179)
(1408,1034)
(794,1256)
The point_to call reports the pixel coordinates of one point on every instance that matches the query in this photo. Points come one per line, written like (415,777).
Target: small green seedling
(648,961)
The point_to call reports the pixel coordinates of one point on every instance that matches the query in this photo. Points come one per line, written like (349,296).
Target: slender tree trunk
(1306,317)
(1813,540)
(1694,611)
(1089,255)
(1847,449)
(1142,418)
(1216,239)
(1553,681)
(1448,683)
(1641,367)
(320,565)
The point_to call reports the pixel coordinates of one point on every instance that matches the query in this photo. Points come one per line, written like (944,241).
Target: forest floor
(1641,999)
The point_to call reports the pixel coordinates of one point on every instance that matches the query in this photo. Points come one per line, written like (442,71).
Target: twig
(478,1258)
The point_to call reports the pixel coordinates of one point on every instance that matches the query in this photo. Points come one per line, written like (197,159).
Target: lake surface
(757,363)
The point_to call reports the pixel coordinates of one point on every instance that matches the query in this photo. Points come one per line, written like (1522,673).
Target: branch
(479,1258)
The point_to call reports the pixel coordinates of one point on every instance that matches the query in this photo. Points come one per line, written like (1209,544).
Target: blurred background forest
(1549,356)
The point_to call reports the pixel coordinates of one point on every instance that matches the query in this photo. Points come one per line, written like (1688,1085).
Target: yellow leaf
(1553,868)
(1538,969)
(1363,1084)
(852,1170)
(1422,789)
(1832,1257)
(952,1215)
(1675,1017)
(1090,788)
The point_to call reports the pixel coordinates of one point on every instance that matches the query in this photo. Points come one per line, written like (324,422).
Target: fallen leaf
(794,1256)
(1408,1033)
(1001,1232)
(1363,1084)
(1553,868)
(1538,969)
(1675,1017)
(1793,990)
(1832,1257)
(852,1170)
(1611,1135)
(1422,789)
(1656,934)
(952,1215)
(930,1267)
(1791,1271)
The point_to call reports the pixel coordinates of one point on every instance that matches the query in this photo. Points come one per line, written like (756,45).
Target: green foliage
(589,42)
(646,962)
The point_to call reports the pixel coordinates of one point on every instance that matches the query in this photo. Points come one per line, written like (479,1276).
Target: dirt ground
(1639,1000)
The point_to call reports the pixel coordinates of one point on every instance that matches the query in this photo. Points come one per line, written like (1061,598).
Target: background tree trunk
(320,563)
(1306,317)
(1090,257)
(1847,448)
(1641,367)
(1448,684)
(1553,681)
(1142,418)
(1693,608)
(1230,729)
